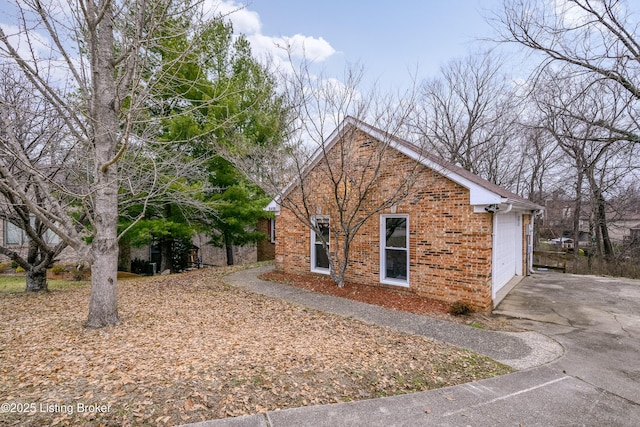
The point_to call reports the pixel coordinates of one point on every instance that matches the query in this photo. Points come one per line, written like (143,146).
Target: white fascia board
(273,206)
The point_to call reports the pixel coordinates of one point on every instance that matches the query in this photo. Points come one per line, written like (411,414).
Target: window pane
(396,232)
(51,238)
(13,234)
(322,261)
(272,230)
(396,264)
(320,256)
(323,225)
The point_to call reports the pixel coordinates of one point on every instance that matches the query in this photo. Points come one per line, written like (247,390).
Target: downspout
(506,211)
(493,257)
(529,252)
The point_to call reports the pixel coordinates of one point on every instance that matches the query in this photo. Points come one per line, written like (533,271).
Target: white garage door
(507,249)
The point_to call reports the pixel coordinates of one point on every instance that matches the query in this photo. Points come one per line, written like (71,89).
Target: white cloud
(28,44)
(573,15)
(244,21)
(247,22)
(314,49)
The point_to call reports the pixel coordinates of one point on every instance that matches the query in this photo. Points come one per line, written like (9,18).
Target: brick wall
(450,245)
(265,248)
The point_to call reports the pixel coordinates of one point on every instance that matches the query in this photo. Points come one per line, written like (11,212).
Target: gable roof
(482,192)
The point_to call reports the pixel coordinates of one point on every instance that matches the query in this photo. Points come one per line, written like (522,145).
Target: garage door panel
(507,249)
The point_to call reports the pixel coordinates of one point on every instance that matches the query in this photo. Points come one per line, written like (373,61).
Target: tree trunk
(576,219)
(36,270)
(37,280)
(338,267)
(103,305)
(229,247)
(604,231)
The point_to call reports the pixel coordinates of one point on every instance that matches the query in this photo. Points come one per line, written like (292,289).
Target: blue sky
(390,39)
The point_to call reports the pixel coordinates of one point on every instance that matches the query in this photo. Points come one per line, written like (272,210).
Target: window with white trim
(394,249)
(319,258)
(13,235)
(272,230)
(16,236)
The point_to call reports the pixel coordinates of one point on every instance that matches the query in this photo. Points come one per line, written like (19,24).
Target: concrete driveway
(597,321)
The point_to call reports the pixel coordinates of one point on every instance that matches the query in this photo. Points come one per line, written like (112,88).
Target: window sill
(395,282)
(320,270)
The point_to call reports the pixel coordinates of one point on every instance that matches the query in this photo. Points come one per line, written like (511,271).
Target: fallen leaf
(188,405)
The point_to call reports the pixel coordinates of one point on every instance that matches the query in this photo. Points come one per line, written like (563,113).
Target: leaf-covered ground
(191,348)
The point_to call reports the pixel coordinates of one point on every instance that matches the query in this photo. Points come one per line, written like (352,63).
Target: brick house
(456,237)
(266,248)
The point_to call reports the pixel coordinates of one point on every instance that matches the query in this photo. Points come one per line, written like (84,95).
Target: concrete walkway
(536,395)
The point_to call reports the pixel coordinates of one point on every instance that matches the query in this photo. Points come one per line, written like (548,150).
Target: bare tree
(597,38)
(600,156)
(36,127)
(329,167)
(468,116)
(95,63)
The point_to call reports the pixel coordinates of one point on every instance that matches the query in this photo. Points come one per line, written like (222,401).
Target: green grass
(17,284)
(477,325)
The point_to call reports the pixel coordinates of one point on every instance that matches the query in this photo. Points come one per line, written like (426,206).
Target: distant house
(202,254)
(633,238)
(559,216)
(459,238)
(563,243)
(15,239)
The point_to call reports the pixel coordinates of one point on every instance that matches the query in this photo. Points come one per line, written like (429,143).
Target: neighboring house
(202,254)
(622,225)
(563,243)
(632,241)
(458,237)
(634,234)
(15,239)
(559,214)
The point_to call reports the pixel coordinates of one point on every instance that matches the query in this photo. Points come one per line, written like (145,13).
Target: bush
(140,266)
(57,269)
(78,275)
(460,308)
(600,267)
(19,269)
